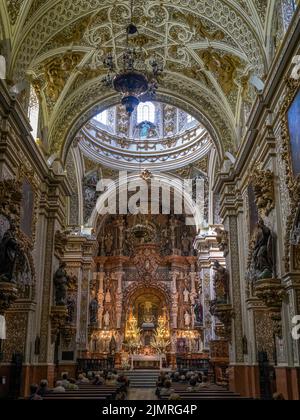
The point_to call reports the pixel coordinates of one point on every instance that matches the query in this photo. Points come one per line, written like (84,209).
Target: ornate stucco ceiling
(209,49)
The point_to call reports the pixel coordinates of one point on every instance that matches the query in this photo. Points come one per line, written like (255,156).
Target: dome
(157,136)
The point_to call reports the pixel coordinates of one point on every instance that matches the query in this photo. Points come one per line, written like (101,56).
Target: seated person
(166,389)
(182,378)
(82,379)
(59,387)
(189,375)
(65,381)
(111,379)
(72,385)
(193,386)
(204,383)
(85,379)
(123,380)
(43,389)
(176,376)
(98,380)
(199,377)
(33,392)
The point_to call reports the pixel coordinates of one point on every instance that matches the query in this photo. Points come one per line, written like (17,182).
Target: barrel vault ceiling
(209,48)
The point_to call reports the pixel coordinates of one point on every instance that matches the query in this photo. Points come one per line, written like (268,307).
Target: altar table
(147,360)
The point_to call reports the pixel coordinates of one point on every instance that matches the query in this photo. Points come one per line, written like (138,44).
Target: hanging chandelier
(138,79)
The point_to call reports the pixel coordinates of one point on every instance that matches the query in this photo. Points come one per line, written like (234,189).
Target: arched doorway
(147,305)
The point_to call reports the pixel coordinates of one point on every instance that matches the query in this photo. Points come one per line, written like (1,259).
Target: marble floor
(135,394)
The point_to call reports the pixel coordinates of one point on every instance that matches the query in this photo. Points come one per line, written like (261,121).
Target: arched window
(33,112)
(146,112)
(190,119)
(102,117)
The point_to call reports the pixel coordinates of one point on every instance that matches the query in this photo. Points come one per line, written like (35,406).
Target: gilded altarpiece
(147,269)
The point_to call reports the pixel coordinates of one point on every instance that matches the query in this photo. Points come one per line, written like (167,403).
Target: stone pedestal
(58,319)
(271,293)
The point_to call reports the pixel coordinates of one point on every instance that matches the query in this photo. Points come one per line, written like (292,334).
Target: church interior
(150,199)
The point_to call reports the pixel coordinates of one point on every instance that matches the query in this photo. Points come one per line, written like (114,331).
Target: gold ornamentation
(146,175)
(196,25)
(58,319)
(56,71)
(271,293)
(68,333)
(60,243)
(225,314)
(10,199)
(27,174)
(8,294)
(224,66)
(263,185)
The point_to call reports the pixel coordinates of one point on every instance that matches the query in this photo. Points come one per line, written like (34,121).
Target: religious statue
(60,285)
(187,319)
(93,311)
(148,317)
(107,296)
(221,283)
(186,295)
(71,309)
(166,248)
(185,243)
(10,253)
(108,243)
(263,260)
(106,319)
(198,311)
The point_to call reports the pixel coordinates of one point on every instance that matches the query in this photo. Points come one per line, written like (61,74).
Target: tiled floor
(135,394)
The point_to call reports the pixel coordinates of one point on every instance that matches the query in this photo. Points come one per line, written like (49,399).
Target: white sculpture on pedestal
(107,296)
(186,295)
(106,319)
(187,319)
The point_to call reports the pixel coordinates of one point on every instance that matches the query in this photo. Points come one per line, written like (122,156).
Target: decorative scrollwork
(263,184)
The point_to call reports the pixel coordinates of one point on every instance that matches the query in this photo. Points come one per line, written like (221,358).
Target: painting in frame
(293,116)
(27,208)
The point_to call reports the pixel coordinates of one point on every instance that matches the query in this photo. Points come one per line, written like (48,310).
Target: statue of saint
(186,295)
(107,296)
(93,311)
(263,263)
(187,319)
(198,311)
(10,251)
(60,285)
(71,309)
(106,319)
(108,243)
(221,283)
(185,244)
